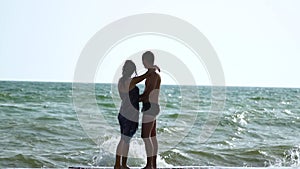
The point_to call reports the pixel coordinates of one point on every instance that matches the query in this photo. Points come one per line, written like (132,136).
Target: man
(150,111)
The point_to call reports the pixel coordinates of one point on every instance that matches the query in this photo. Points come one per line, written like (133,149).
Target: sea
(58,125)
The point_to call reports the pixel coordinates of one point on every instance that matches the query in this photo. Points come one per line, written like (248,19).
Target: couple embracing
(129,111)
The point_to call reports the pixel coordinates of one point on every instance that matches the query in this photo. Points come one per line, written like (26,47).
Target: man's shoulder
(155,75)
(158,76)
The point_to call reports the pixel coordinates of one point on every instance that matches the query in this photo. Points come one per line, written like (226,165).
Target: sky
(257,41)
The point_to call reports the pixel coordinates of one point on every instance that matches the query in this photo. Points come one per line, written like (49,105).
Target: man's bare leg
(147,127)
(155,145)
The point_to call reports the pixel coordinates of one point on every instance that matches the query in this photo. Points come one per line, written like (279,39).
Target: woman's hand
(156,67)
(151,70)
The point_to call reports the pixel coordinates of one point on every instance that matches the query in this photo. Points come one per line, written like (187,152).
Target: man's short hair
(149,57)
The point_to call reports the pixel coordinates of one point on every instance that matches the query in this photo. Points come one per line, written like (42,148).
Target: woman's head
(128,68)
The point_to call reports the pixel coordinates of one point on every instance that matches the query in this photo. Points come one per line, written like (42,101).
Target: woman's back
(130,100)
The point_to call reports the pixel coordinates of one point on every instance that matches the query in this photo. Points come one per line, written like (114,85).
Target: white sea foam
(136,151)
(291,158)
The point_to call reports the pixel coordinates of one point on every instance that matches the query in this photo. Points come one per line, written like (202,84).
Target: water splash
(137,155)
(291,158)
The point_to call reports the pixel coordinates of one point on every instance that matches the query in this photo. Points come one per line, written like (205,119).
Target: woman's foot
(124,167)
(117,167)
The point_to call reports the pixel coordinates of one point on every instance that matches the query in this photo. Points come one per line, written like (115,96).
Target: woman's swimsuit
(129,113)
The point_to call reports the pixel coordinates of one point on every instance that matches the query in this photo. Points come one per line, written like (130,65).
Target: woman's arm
(138,79)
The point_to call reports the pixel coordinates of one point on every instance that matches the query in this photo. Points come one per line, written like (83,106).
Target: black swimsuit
(129,112)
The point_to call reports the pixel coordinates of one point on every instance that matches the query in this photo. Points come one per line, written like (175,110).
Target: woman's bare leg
(119,154)
(125,155)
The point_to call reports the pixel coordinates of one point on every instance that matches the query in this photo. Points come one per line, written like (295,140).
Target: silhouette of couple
(129,111)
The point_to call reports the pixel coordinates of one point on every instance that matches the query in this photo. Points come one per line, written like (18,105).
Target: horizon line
(242,86)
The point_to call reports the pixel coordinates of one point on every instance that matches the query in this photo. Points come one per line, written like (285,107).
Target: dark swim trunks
(128,127)
(150,108)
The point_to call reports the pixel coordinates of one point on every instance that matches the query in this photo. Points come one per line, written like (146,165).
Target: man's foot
(147,167)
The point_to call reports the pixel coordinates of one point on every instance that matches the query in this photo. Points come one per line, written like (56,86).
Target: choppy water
(40,127)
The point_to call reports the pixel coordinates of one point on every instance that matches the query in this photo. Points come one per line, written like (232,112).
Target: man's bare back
(152,87)
(150,110)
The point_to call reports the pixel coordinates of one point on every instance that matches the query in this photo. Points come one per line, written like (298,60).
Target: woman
(129,111)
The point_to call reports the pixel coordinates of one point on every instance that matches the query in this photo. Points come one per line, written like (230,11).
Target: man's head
(148,59)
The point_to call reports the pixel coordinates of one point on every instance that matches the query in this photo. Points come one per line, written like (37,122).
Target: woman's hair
(128,69)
